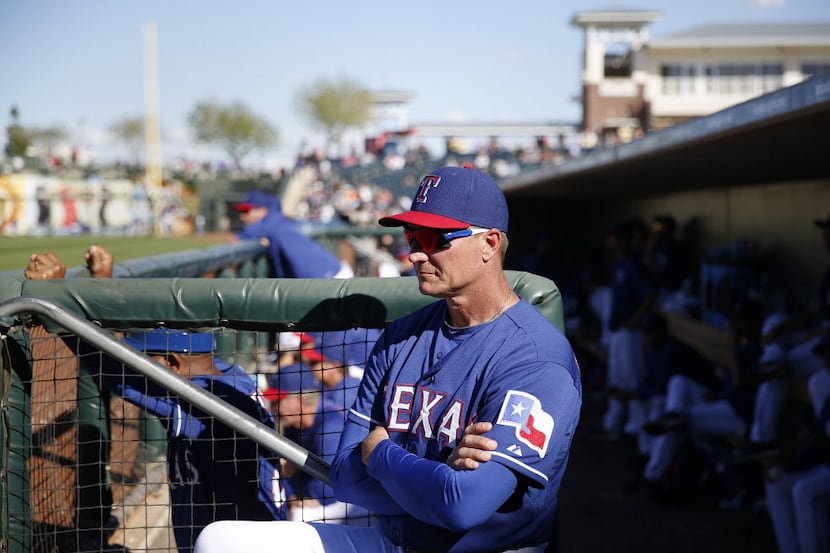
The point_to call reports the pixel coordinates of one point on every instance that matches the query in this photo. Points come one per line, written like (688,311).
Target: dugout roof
(781,136)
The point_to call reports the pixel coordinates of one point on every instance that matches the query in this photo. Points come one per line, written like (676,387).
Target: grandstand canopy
(499,129)
(747,35)
(615,17)
(781,136)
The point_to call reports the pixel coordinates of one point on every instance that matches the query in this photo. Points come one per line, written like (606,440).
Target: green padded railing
(260,304)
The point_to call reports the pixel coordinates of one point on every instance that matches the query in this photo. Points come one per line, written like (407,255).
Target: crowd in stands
(358,190)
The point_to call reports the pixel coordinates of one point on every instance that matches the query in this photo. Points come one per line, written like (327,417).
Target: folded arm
(350,480)
(436,493)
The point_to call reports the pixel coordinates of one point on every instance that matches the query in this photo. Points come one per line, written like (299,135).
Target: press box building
(630,80)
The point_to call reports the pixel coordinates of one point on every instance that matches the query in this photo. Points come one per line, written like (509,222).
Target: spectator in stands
(213,473)
(632,296)
(798,491)
(390,264)
(293,254)
(312,421)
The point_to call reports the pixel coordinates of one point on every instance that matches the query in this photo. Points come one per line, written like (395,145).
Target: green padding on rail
(16,442)
(261,304)
(11,284)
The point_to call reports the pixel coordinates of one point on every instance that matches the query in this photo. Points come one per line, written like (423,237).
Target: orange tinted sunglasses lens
(427,240)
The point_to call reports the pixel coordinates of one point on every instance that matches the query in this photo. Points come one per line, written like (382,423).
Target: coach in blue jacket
(293,254)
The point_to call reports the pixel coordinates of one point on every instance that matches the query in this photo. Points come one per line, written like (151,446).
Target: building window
(743,78)
(617,60)
(678,79)
(813,69)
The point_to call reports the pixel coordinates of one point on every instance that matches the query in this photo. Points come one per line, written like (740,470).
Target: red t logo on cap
(430,181)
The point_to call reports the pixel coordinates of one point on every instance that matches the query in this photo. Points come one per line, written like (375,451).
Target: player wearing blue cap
(481,369)
(343,355)
(213,473)
(309,419)
(293,254)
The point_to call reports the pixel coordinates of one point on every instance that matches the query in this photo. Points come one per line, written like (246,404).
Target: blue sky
(79,64)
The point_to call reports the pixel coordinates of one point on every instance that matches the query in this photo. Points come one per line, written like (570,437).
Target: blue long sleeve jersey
(293,254)
(424,383)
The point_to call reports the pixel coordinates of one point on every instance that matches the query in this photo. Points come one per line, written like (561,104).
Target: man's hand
(287,468)
(99,261)
(45,266)
(377,435)
(473,448)
(305,509)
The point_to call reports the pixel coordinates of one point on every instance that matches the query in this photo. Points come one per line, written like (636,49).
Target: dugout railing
(44,487)
(90,421)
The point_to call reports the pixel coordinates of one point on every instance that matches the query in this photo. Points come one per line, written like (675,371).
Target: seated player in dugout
(305,416)
(337,361)
(461,431)
(213,473)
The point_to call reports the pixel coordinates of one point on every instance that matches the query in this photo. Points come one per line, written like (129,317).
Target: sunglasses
(429,240)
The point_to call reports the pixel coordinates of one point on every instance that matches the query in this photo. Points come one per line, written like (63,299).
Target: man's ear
(174,361)
(159,357)
(493,244)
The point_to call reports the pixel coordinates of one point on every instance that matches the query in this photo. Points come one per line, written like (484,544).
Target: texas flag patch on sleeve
(523,411)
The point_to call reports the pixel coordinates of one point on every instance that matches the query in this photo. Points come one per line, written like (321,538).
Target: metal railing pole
(229,415)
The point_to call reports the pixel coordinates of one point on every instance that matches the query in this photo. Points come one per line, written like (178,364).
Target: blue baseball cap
(292,379)
(174,341)
(454,198)
(348,347)
(258,198)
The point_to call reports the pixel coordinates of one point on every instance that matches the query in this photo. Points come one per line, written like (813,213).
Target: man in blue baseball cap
(339,367)
(214,473)
(460,434)
(308,418)
(293,254)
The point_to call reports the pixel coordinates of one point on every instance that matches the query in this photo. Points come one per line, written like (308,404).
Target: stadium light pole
(152,131)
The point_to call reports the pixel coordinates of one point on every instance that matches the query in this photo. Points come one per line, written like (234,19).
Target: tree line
(331,106)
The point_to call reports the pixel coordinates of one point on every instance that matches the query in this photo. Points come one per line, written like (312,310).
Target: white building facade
(631,81)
